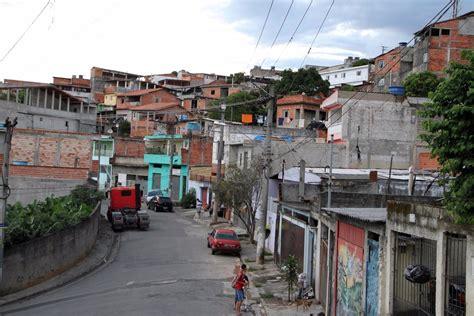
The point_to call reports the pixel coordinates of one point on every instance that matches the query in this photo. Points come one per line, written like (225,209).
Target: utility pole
(266,174)
(170,180)
(220,154)
(330,171)
(99,145)
(455,8)
(9,125)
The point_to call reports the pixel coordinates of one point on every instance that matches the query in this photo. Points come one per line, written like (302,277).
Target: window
(445,32)
(285,113)
(434,32)
(194,104)
(158,99)
(382,82)
(213,92)
(343,75)
(381,64)
(335,76)
(126,193)
(327,77)
(240,159)
(358,73)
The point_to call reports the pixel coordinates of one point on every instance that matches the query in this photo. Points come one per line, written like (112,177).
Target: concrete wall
(428,222)
(35,261)
(27,189)
(42,118)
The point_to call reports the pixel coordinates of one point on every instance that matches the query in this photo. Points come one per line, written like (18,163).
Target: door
(372,289)
(292,243)
(175,193)
(156,184)
(204,197)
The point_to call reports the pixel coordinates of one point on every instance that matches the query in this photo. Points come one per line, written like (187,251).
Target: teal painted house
(157,154)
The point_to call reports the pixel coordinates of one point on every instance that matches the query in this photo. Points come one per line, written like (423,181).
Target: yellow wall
(110,99)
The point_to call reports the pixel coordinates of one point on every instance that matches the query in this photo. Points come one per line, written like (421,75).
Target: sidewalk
(103,252)
(268,292)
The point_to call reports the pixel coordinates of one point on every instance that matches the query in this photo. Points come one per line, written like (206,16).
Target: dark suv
(155,200)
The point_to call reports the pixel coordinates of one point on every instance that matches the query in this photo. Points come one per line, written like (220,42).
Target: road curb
(81,270)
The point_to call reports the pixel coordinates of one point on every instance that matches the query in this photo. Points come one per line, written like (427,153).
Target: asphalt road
(167,270)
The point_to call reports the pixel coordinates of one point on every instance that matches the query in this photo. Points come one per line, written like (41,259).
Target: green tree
(241,191)
(234,113)
(238,77)
(290,268)
(124,128)
(421,84)
(360,62)
(304,80)
(450,126)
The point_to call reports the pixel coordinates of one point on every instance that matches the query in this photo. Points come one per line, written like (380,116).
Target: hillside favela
(226,157)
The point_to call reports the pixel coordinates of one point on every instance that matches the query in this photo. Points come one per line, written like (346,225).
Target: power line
(24,33)
(279,30)
(294,33)
(261,33)
(438,17)
(317,33)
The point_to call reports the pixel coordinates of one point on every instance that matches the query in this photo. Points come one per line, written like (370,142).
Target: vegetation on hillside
(38,219)
(421,84)
(450,126)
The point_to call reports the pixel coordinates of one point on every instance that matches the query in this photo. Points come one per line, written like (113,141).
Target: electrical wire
(279,30)
(24,33)
(317,33)
(438,16)
(261,33)
(294,33)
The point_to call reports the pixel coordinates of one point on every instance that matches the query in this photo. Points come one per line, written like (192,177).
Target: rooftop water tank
(397,90)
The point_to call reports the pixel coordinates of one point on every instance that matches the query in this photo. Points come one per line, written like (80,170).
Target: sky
(212,36)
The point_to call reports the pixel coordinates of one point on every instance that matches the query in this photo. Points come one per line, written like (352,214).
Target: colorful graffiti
(349,279)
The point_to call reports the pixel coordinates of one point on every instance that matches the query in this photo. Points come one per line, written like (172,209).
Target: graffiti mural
(349,279)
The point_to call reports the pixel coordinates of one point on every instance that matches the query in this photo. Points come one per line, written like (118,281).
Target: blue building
(158,150)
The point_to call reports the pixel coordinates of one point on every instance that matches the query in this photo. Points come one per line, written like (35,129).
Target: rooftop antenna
(384,48)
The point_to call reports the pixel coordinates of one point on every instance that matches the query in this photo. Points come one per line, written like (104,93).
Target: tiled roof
(216,83)
(137,92)
(155,106)
(298,99)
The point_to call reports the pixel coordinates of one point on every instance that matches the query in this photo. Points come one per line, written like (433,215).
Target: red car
(223,240)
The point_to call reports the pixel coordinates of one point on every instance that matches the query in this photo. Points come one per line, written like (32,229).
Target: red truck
(125,208)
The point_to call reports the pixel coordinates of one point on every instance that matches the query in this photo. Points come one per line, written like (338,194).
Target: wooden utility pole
(9,125)
(266,174)
(220,154)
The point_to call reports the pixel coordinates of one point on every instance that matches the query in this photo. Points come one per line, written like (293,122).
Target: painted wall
(350,269)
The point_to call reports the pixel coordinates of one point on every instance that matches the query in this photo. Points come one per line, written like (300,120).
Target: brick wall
(443,45)
(426,162)
(162,95)
(51,155)
(201,152)
(129,147)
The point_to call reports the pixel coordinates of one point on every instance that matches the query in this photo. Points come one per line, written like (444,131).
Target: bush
(53,214)
(189,199)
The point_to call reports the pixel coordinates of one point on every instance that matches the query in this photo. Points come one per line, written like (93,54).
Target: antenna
(455,8)
(384,48)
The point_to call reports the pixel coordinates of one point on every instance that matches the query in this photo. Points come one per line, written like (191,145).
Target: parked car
(158,202)
(152,194)
(223,240)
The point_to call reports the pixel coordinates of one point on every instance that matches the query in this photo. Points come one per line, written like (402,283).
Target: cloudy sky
(215,36)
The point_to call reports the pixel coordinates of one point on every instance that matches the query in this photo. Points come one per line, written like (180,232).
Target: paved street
(167,270)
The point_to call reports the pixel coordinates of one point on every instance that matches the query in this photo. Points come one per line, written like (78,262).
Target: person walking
(239,283)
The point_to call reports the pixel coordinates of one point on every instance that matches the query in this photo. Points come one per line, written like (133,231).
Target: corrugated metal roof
(366,214)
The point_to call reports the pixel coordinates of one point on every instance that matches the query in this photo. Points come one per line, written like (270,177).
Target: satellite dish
(110,131)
